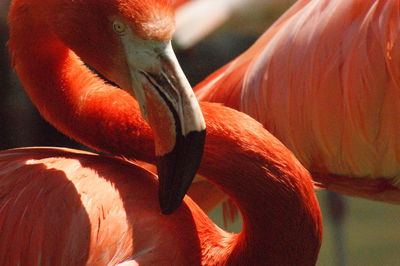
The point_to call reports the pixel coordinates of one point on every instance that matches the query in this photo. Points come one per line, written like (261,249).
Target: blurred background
(371,229)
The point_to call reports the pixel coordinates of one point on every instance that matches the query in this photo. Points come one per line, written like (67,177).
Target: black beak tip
(167,208)
(177,169)
(166,211)
(171,195)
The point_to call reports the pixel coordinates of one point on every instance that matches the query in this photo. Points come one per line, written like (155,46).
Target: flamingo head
(129,42)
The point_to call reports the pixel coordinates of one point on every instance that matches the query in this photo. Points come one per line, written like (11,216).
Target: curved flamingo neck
(69,95)
(281,216)
(282,223)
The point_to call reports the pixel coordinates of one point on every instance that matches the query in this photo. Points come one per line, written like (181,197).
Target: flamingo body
(102,210)
(324,80)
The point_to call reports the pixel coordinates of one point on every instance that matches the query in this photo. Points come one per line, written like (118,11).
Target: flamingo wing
(61,206)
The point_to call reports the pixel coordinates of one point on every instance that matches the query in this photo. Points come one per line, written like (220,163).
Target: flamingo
(48,47)
(74,207)
(63,206)
(324,80)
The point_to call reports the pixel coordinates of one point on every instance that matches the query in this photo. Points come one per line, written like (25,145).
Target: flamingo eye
(119,27)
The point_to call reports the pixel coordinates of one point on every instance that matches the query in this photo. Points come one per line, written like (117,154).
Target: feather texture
(324,79)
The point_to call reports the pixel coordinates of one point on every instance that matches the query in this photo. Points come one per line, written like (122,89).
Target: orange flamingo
(62,206)
(73,207)
(324,80)
(129,42)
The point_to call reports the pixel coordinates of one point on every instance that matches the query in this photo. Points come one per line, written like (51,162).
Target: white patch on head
(147,58)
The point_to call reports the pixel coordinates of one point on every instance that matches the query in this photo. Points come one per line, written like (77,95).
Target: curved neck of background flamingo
(274,193)
(70,96)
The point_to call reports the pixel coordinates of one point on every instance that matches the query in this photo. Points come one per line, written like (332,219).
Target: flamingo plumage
(62,206)
(324,80)
(130,43)
(74,207)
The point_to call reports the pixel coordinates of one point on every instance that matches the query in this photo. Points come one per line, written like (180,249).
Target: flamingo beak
(170,107)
